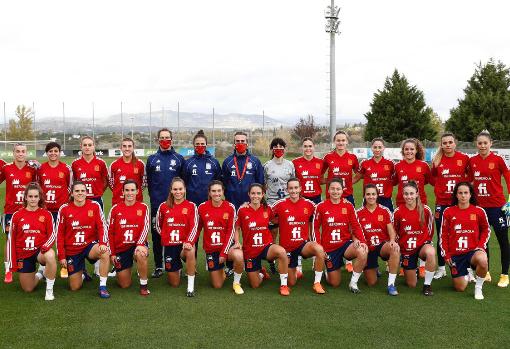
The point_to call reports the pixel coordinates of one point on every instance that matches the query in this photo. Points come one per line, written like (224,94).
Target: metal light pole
(132,126)
(150,125)
(213,137)
(121,122)
(64,123)
(263,122)
(332,23)
(93,123)
(5,129)
(35,133)
(178,117)
(163,116)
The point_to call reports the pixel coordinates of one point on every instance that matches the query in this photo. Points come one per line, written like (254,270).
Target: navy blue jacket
(237,190)
(161,168)
(198,171)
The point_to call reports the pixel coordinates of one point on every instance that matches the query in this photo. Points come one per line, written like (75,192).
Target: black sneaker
(228,272)
(427,290)
(158,272)
(272,267)
(190,293)
(86,276)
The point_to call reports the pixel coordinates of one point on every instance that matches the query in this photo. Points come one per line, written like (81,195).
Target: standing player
(240,170)
(221,240)
(161,168)
(17,175)
(199,170)
(309,171)
(378,171)
(449,167)
(30,241)
(377,226)
(337,229)
(177,223)
(128,166)
(253,221)
(128,226)
(486,170)
(464,237)
(414,228)
(294,215)
(82,233)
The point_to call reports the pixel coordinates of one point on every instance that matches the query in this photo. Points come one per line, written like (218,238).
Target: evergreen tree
(399,111)
(486,104)
(22,128)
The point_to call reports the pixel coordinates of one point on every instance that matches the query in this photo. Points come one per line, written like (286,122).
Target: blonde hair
(419,205)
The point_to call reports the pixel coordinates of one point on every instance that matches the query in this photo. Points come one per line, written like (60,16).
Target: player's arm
(192,218)
(393,236)
(445,238)
(50,233)
(430,222)
(60,228)
(111,229)
(356,232)
(485,229)
(315,234)
(11,245)
(102,230)
(105,176)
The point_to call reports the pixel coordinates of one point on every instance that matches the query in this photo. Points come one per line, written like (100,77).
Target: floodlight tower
(332,24)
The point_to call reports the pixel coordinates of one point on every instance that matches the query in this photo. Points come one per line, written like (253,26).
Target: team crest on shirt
(459,162)
(184,210)
(42,219)
(266,215)
(61,175)
(491,165)
(472,217)
(96,168)
(418,169)
(305,210)
(380,218)
(135,170)
(349,162)
(317,166)
(249,166)
(91,213)
(139,213)
(344,210)
(28,175)
(386,168)
(225,215)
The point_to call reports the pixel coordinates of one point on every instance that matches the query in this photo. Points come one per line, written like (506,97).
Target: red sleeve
(105,176)
(356,230)
(159,220)
(355,164)
(230,233)
(50,233)
(506,173)
(111,229)
(2,176)
(325,165)
(396,221)
(485,229)
(192,224)
(102,230)
(395,176)
(110,177)
(430,222)
(316,229)
(445,236)
(142,241)
(429,179)
(11,245)
(469,173)
(61,218)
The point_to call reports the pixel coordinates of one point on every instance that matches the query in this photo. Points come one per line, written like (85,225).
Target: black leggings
(504,246)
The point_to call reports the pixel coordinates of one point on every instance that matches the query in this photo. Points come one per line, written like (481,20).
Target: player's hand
(236,245)
(187,246)
(506,207)
(34,164)
(113,258)
(394,246)
(103,249)
(222,260)
(142,250)
(244,205)
(63,263)
(448,261)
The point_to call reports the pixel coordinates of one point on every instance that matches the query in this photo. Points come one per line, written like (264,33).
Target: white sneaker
(439,274)
(112,274)
(471,276)
(478,293)
(354,288)
(49,295)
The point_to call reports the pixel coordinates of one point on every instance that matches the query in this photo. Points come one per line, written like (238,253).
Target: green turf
(259,318)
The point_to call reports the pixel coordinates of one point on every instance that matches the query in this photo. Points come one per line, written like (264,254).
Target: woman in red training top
(464,237)
(449,167)
(253,221)
(30,241)
(337,229)
(414,228)
(82,233)
(376,222)
(177,223)
(128,224)
(221,240)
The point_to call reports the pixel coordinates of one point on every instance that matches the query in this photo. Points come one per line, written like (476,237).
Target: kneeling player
(128,224)
(464,237)
(375,220)
(82,234)
(30,240)
(337,229)
(221,240)
(294,215)
(177,222)
(253,221)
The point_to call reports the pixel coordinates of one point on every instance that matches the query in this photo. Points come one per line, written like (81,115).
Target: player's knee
(124,283)
(27,288)
(460,287)
(411,284)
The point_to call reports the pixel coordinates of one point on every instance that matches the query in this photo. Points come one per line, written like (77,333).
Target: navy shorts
(27,265)
(76,263)
(373,257)
(497,218)
(385,202)
(411,262)
(255,264)
(6,222)
(124,260)
(99,200)
(293,255)
(273,225)
(350,198)
(172,258)
(315,199)
(335,258)
(438,217)
(55,216)
(461,263)
(213,261)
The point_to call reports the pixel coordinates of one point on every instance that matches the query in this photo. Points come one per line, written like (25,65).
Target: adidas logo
(194,166)
(252,224)
(305,173)
(123,221)
(404,178)
(290,219)
(83,175)
(46,182)
(446,171)
(15,181)
(331,219)
(407,228)
(210,223)
(477,173)
(368,226)
(458,227)
(75,223)
(122,178)
(374,175)
(170,220)
(26,226)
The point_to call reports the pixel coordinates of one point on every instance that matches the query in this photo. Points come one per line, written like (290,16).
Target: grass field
(259,318)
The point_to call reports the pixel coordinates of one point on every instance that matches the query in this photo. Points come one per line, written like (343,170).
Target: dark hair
(378,139)
(336,180)
(163,130)
(293,179)
(200,134)
(75,183)
(34,186)
(420,152)
(485,133)
(170,199)
(52,145)
(87,137)
(241,133)
(129,181)
(370,186)
(307,139)
(419,204)
(341,133)
(275,142)
(133,156)
(258,185)
(472,199)
(439,154)
(214,182)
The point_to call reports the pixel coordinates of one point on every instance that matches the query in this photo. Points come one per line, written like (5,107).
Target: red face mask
(241,147)
(200,149)
(278,152)
(165,144)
